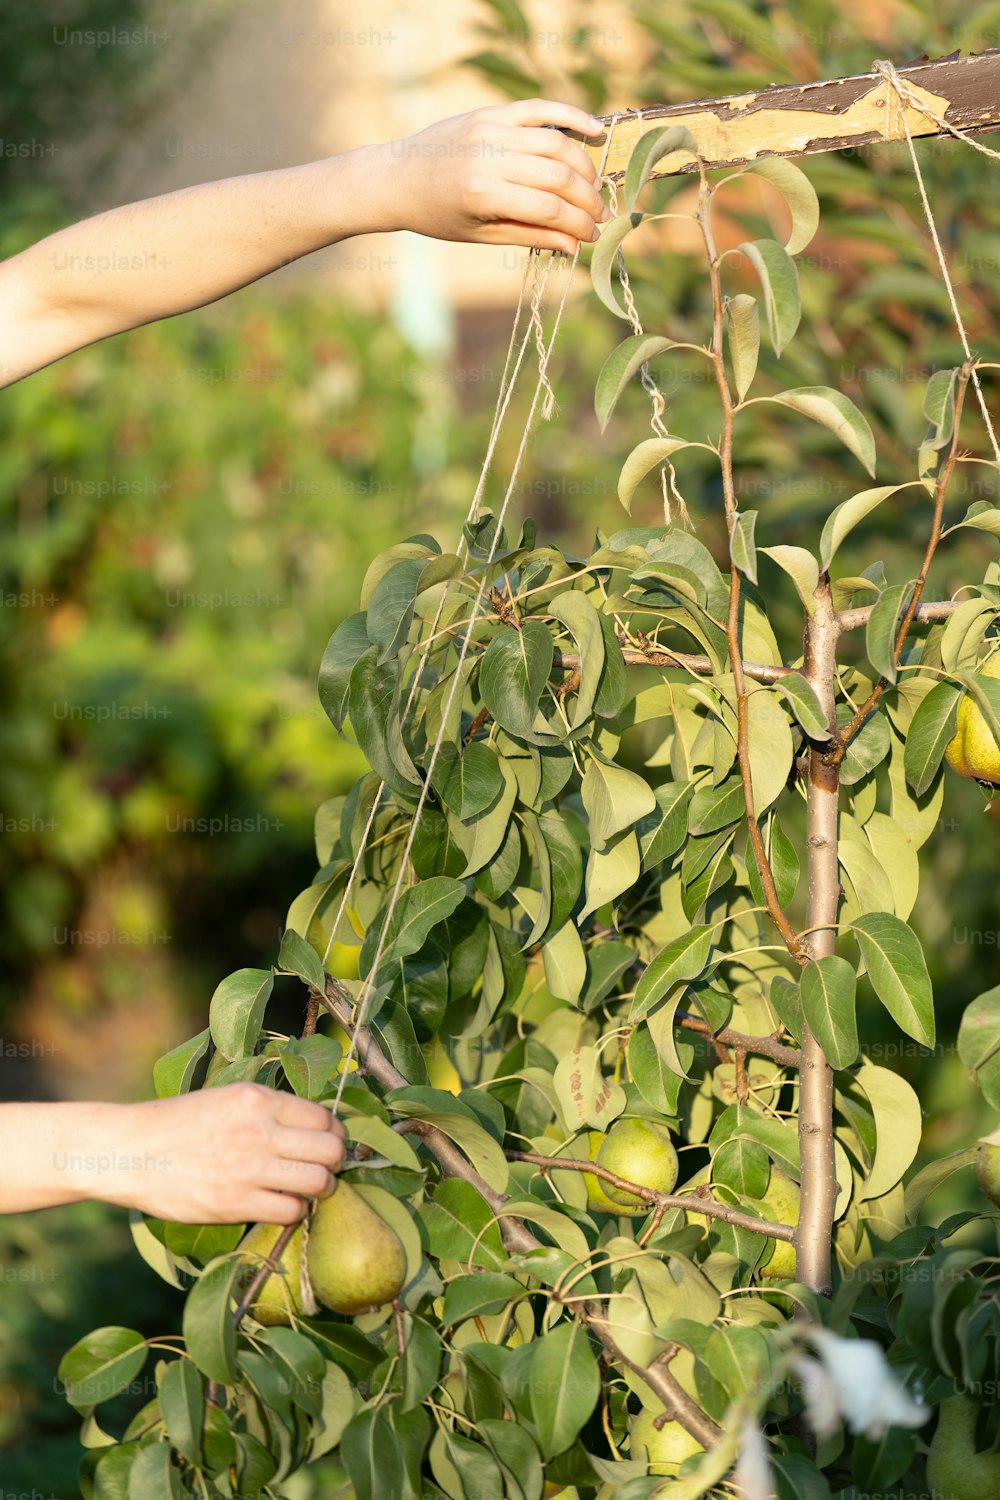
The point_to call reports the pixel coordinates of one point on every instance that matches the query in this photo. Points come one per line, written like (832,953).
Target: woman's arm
(496,176)
(229,1155)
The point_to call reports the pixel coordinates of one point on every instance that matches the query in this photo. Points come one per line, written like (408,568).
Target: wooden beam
(799,118)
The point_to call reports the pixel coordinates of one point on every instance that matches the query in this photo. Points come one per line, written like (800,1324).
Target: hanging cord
(668,478)
(902,91)
(500,409)
(542,383)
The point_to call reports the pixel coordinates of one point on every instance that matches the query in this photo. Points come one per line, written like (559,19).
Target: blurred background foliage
(187,512)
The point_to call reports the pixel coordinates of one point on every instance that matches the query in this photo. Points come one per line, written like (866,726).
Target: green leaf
(898,1127)
(457,1121)
(741,544)
(683,959)
(372,1456)
(374,703)
(390,609)
(482,1293)
(898,972)
(847,515)
(296,956)
(715,807)
(310,1062)
(461,1225)
(101,1364)
(883,628)
(939,407)
(829,1005)
(512,676)
(780,284)
(182,1402)
(982,517)
(743,330)
(615,799)
(650,148)
(801,567)
(605,257)
(564,1384)
(619,367)
(931,729)
(612,870)
(576,611)
(646,456)
(467,781)
(208,1320)
(979,1043)
(586,1097)
(153,1476)
(805,705)
(832,409)
(236,1011)
(420,908)
(797,191)
(515,1451)
(786,1002)
(174,1071)
(348,642)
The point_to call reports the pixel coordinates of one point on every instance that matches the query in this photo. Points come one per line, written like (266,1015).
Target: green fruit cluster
(352,1261)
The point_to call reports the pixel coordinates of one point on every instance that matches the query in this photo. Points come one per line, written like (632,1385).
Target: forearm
(166,255)
(59,1153)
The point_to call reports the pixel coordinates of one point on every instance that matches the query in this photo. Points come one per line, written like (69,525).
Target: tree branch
(693,1203)
(766,1046)
(926,614)
(676,1402)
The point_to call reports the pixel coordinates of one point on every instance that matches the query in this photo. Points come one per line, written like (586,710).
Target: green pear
(955,1471)
(988,1171)
(355,1261)
(597,1198)
(282,1294)
(643,1152)
(782,1207)
(974,752)
(664,1448)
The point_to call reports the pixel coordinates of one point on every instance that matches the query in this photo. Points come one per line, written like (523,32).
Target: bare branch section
(692,1203)
(802,118)
(766,1046)
(926,614)
(677,1404)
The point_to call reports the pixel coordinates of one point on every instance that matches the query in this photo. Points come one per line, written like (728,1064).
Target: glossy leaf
(236,1011)
(898,972)
(513,674)
(619,368)
(827,989)
(564,1384)
(832,409)
(931,728)
(743,330)
(651,147)
(780,284)
(646,456)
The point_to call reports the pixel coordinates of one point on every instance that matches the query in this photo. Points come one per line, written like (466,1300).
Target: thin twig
(694,1203)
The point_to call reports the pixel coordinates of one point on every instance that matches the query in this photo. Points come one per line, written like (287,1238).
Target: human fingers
(552,143)
(304,1114)
(551,112)
(554,175)
(323,1148)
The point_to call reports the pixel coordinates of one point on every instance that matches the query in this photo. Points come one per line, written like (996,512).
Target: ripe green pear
(782,1207)
(643,1152)
(355,1261)
(988,1171)
(664,1448)
(955,1471)
(597,1198)
(282,1294)
(973,751)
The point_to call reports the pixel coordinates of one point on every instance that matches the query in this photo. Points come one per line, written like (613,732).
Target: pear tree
(639,864)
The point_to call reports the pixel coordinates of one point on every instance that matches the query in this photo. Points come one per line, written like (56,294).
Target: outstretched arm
(496,176)
(227,1155)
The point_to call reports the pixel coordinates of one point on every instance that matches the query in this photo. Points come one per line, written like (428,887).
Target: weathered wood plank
(796,119)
